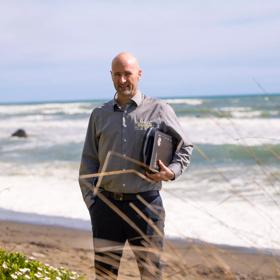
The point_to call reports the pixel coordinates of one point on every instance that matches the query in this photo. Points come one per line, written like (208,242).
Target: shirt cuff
(89,200)
(176,169)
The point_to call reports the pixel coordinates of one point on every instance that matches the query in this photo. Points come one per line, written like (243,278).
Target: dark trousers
(141,224)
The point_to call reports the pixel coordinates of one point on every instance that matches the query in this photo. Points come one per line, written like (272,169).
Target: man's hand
(165,173)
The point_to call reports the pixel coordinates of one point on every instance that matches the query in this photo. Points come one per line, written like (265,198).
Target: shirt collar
(136,99)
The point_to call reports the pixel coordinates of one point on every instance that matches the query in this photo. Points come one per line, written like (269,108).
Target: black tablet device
(157,146)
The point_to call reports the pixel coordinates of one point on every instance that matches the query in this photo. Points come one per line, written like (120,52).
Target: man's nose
(122,79)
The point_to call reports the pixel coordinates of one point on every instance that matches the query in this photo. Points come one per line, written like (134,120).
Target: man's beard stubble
(125,92)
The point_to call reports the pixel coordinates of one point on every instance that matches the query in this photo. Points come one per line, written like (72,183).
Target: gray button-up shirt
(122,130)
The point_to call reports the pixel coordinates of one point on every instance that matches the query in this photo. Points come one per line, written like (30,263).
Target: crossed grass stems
(175,262)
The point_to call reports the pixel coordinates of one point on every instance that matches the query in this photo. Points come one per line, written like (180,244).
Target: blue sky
(62,50)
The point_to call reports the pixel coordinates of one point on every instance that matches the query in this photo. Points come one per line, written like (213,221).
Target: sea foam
(232,131)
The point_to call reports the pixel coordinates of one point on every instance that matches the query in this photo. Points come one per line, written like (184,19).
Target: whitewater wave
(199,205)
(47,109)
(232,131)
(187,101)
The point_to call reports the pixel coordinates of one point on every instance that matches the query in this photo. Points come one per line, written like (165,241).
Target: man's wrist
(172,175)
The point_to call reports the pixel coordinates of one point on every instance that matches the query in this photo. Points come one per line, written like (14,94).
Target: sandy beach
(185,259)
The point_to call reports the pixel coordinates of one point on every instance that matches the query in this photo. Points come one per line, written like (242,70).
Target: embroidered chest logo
(142,125)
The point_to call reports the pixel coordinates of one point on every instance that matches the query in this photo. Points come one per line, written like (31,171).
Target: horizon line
(159,97)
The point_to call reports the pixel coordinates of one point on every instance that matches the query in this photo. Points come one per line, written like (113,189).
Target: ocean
(229,195)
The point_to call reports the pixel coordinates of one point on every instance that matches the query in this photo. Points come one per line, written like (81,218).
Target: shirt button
(123,185)
(124,140)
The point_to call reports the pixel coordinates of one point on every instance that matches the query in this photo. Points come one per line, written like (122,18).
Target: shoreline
(84,225)
(72,248)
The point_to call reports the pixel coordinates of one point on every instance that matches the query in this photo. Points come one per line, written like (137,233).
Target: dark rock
(19,133)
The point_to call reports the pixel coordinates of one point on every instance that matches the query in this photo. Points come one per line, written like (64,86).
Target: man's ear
(139,74)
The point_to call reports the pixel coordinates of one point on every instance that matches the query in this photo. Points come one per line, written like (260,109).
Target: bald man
(128,206)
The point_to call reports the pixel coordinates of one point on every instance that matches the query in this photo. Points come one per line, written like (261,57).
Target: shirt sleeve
(89,162)
(182,156)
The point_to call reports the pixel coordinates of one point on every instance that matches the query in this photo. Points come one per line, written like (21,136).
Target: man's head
(125,75)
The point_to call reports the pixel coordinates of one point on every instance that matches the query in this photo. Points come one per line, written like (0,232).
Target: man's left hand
(165,173)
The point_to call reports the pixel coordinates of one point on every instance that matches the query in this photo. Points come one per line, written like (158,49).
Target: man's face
(125,76)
